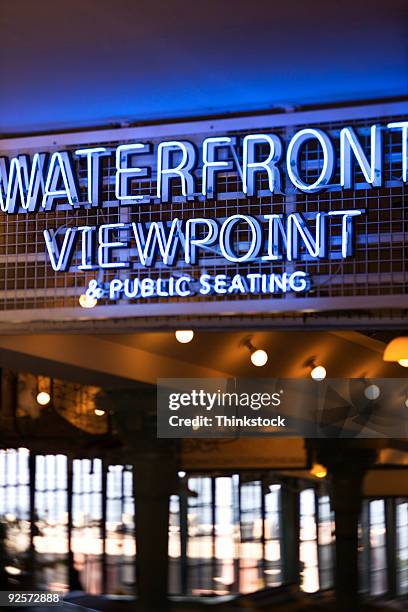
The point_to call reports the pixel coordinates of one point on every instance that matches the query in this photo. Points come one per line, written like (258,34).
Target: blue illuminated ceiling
(95,62)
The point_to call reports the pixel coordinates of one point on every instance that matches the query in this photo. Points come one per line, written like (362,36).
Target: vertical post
(104,470)
(290,529)
(391,546)
(72,574)
(318,538)
(31,467)
(239,513)
(235,506)
(263,539)
(214,568)
(183,539)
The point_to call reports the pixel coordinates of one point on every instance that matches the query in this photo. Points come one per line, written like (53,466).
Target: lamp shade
(397,349)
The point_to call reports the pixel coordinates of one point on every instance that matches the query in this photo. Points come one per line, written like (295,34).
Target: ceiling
(75,64)
(140,359)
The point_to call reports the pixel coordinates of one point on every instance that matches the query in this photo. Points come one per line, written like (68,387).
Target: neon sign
(44,182)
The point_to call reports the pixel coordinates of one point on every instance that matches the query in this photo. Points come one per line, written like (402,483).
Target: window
(326,542)
(234,535)
(402,546)
(225,532)
(251,557)
(14,507)
(83,517)
(226,535)
(87,544)
(308,542)
(176,585)
(272,537)
(51,511)
(200,548)
(120,530)
(377,547)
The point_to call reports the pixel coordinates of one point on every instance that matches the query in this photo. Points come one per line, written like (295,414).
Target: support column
(154,482)
(347,463)
(155,463)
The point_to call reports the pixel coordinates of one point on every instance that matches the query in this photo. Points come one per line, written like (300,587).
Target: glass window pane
(308,542)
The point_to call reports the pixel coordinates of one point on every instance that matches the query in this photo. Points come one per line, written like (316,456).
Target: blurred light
(259,357)
(318,470)
(13,571)
(181,474)
(86,301)
(397,350)
(372,392)
(43,398)
(184,336)
(406,402)
(318,373)
(223,580)
(99,412)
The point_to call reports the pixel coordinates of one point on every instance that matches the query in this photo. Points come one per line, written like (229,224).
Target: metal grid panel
(378,267)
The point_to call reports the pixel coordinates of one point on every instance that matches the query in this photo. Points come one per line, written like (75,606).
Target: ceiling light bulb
(318,373)
(43,398)
(99,412)
(184,336)
(86,301)
(259,357)
(318,470)
(403,362)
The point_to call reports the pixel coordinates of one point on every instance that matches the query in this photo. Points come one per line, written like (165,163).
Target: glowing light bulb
(318,373)
(99,412)
(318,470)
(13,571)
(184,336)
(87,301)
(259,358)
(43,398)
(181,474)
(403,362)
